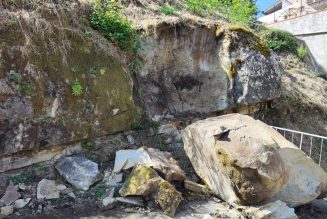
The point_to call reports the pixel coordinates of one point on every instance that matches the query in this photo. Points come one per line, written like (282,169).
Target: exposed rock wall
(42,52)
(197,68)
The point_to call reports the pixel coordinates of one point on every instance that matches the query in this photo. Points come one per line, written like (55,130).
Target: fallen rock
(195,187)
(161,161)
(11,195)
(245,161)
(130,139)
(22,186)
(79,171)
(7,210)
(21,203)
(146,182)
(273,210)
(135,201)
(109,202)
(112,179)
(47,189)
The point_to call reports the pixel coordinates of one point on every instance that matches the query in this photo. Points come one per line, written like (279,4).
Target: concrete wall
(312,29)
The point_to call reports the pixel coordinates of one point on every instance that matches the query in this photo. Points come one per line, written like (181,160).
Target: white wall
(312,29)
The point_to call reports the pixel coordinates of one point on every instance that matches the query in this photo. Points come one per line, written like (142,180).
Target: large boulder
(245,161)
(204,66)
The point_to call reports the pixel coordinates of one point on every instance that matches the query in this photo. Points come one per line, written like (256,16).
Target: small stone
(72,194)
(61,187)
(135,201)
(112,179)
(22,186)
(130,139)
(195,187)
(10,195)
(7,210)
(21,203)
(79,171)
(109,202)
(47,189)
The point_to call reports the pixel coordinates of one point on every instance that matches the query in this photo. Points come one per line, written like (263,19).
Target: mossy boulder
(144,181)
(42,55)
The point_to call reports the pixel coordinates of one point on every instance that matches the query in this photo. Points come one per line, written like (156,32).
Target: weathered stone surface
(195,187)
(245,161)
(7,210)
(37,71)
(134,201)
(11,195)
(21,203)
(161,161)
(203,70)
(146,182)
(273,210)
(47,189)
(112,179)
(79,171)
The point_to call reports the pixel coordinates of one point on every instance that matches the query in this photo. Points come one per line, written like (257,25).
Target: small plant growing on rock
(302,52)
(88,33)
(77,88)
(99,191)
(15,77)
(87,145)
(167,10)
(280,41)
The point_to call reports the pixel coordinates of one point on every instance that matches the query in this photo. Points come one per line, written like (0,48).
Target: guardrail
(307,143)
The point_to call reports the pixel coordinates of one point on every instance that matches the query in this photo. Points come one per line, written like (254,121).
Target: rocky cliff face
(190,65)
(197,65)
(44,51)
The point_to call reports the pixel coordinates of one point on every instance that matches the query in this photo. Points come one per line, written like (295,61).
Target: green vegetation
(302,52)
(88,33)
(108,19)
(167,10)
(237,11)
(137,124)
(77,88)
(24,177)
(99,190)
(280,41)
(25,88)
(88,144)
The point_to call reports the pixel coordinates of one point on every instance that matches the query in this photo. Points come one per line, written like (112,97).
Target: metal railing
(311,144)
(310,2)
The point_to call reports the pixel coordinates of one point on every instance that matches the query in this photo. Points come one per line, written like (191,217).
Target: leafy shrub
(237,11)
(77,88)
(167,10)
(88,145)
(302,52)
(108,19)
(280,41)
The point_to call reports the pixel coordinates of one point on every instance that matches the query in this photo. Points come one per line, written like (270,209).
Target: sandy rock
(47,189)
(11,195)
(245,161)
(195,187)
(21,203)
(150,157)
(7,210)
(146,182)
(79,171)
(273,210)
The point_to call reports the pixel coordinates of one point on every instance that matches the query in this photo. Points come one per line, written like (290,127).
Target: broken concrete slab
(79,171)
(245,161)
(145,182)
(11,195)
(162,162)
(273,210)
(47,189)
(195,187)
(7,210)
(21,203)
